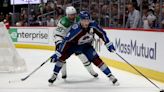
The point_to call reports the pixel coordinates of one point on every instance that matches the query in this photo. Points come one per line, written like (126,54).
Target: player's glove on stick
(110,47)
(55,57)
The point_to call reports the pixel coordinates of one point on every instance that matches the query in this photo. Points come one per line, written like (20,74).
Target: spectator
(1,16)
(133,17)
(95,16)
(162,22)
(108,14)
(114,16)
(157,14)
(7,24)
(59,13)
(148,18)
(50,21)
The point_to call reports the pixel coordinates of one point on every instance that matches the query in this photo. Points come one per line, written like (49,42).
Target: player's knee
(93,57)
(98,62)
(63,58)
(83,58)
(63,61)
(59,63)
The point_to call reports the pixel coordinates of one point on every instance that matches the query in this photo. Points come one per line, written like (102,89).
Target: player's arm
(102,34)
(60,31)
(58,35)
(62,46)
(72,33)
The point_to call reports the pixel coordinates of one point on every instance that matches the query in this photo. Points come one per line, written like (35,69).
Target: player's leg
(93,56)
(63,71)
(59,64)
(56,70)
(104,68)
(87,64)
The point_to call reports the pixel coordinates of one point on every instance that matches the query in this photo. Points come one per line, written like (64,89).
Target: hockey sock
(64,70)
(103,67)
(87,64)
(58,66)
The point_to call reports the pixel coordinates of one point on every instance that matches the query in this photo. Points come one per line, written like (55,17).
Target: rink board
(144,49)
(141,48)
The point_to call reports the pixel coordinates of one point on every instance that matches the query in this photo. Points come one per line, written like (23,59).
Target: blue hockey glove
(55,57)
(52,60)
(110,47)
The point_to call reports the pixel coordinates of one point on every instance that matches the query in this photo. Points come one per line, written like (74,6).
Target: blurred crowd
(148,14)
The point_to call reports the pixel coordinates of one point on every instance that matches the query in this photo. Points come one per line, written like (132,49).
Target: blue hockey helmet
(84,15)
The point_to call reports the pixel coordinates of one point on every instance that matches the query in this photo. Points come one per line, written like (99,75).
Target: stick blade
(162,90)
(14,81)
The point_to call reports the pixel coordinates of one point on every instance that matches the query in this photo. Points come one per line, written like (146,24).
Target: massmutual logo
(136,48)
(29,0)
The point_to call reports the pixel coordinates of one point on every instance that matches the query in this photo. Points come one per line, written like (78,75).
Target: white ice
(78,80)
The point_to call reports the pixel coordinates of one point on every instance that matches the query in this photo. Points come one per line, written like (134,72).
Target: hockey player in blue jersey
(61,31)
(78,41)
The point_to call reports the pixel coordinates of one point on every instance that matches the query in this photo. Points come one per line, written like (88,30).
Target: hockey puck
(161,90)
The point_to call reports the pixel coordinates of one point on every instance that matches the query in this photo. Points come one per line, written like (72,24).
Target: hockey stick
(161,90)
(23,79)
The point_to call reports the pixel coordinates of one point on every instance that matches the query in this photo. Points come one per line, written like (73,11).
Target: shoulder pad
(65,22)
(73,31)
(77,19)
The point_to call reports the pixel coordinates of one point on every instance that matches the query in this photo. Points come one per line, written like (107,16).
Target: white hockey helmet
(70,10)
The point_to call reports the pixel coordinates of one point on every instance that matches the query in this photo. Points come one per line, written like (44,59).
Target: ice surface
(79,80)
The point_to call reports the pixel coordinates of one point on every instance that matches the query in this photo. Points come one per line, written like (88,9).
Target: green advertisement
(14,35)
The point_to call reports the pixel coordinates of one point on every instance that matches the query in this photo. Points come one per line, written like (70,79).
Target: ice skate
(52,79)
(64,76)
(114,80)
(64,71)
(94,74)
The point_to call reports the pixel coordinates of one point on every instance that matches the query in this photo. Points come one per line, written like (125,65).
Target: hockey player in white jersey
(61,31)
(78,40)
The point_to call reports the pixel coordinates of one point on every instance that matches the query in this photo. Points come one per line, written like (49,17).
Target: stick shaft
(23,79)
(138,71)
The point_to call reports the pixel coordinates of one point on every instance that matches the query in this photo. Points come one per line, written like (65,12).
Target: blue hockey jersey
(79,36)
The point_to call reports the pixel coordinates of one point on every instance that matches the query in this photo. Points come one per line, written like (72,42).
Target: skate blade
(95,75)
(50,84)
(116,84)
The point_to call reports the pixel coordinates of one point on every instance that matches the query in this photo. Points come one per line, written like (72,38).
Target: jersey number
(60,29)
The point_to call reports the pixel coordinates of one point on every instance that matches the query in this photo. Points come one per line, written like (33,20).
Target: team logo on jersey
(75,26)
(87,38)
